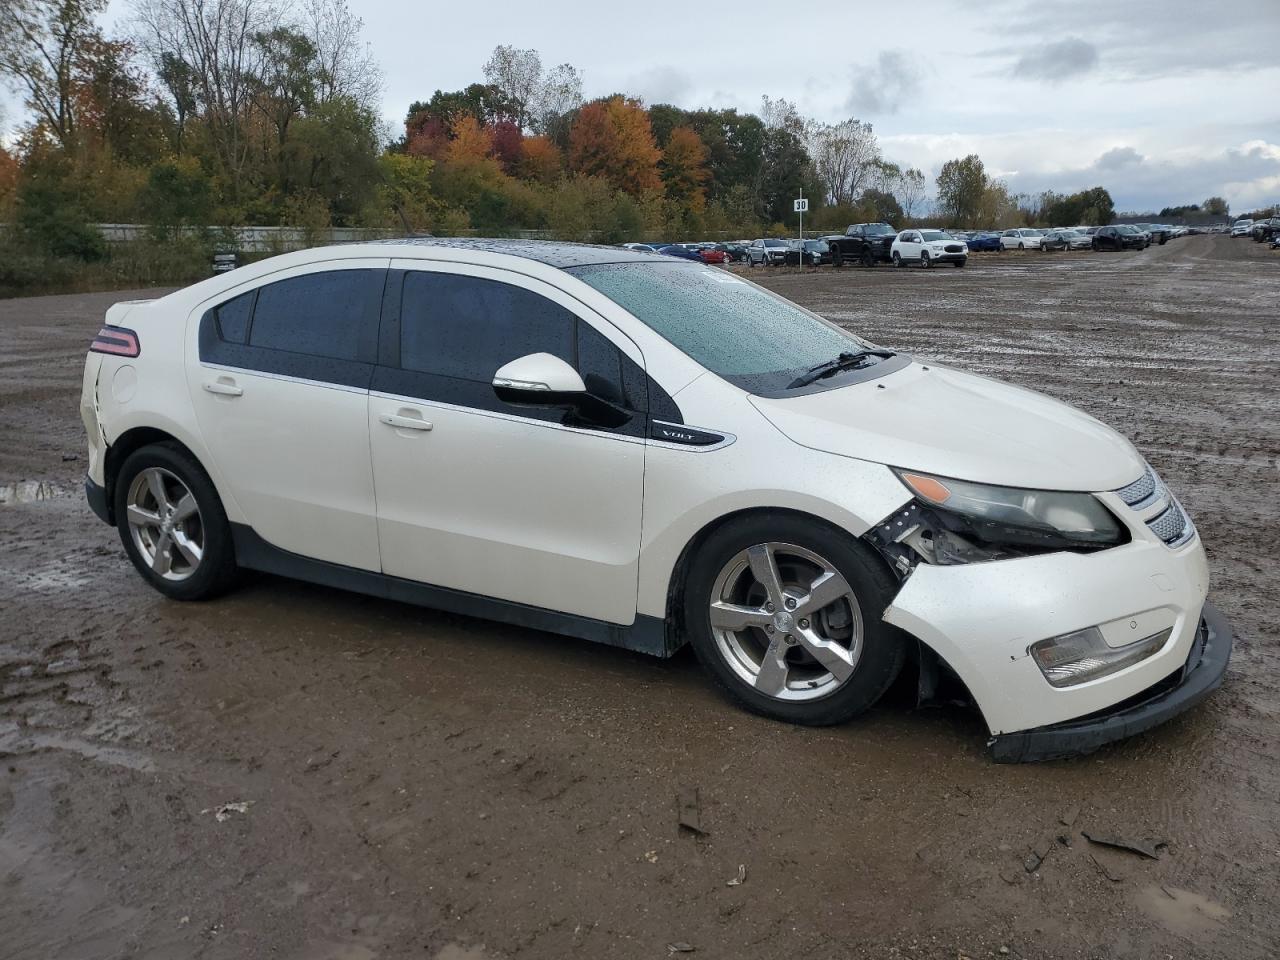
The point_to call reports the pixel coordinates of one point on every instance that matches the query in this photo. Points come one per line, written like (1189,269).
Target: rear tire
(746,651)
(172,523)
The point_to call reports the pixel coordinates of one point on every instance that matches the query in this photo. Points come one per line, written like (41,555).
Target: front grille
(953,248)
(1142,491)
(1172,526)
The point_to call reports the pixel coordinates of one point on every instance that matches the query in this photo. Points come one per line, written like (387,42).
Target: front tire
(172,524)
(868,258)
(785,614)
(960,263)
(897,259)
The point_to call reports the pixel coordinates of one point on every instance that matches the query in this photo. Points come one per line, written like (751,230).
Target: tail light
(117,341)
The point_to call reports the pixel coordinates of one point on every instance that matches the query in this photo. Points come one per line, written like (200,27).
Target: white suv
(643,452)
(927,247)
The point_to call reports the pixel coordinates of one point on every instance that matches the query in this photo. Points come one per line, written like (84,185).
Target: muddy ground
(423,785)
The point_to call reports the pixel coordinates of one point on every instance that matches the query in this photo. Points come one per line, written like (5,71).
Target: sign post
(801,205)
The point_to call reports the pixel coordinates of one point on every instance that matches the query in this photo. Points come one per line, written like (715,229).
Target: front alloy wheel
(786,622)
(786,614)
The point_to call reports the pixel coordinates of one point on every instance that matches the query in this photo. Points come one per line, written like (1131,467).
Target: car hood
(955,424)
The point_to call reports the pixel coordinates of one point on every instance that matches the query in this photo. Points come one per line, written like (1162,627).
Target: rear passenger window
(468,327)
(332,314)
(233,318)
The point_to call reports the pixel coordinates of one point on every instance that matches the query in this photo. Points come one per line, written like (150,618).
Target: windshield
(935,235)
(752,338)
(820,246)
(1127,228)
(775,243)
(877,229)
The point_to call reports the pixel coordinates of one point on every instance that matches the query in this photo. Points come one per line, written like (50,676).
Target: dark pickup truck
(864,243)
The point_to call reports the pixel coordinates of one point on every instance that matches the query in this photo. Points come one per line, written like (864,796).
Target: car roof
(553,253)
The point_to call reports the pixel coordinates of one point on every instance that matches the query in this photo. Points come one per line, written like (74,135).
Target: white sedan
(1022,238)
(927,247)
(647,452)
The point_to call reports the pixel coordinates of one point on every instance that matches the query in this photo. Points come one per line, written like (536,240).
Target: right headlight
(1003,521)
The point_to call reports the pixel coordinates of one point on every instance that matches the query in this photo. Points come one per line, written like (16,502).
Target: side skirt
(647,635)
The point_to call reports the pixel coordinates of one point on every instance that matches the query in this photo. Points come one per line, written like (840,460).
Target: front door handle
(223,387)
(405,423)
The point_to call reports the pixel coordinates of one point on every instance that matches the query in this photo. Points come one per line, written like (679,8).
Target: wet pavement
(300,773)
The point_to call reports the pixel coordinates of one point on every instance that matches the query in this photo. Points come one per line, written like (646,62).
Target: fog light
(1084,655)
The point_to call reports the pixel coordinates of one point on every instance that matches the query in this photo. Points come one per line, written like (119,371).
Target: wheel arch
(132,440)
(679,572)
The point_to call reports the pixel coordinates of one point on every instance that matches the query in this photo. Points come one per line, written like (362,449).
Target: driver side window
(453,332)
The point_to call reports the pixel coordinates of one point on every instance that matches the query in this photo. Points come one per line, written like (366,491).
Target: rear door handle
(405,423)
(223,387)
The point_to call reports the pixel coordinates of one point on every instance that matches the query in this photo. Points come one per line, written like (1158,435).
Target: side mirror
(540,379)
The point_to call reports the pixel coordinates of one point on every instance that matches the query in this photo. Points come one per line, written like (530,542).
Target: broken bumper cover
(1182,690)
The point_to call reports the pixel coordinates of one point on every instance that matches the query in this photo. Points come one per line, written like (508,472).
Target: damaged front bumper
(1180,691)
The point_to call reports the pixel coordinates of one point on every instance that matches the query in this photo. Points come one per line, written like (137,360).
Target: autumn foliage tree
(540,160)
(684,170)
(612,139)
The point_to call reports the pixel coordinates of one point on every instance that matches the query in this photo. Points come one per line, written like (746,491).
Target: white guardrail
(275,239)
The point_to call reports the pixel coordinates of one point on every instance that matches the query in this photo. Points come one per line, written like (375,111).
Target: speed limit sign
(802,205)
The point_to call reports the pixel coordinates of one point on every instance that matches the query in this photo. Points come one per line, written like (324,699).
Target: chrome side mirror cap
(538,378)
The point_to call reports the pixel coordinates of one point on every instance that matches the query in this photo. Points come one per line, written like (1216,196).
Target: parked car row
(707,252)
(868,244)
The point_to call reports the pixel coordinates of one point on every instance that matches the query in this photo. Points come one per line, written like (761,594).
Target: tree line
(267,112)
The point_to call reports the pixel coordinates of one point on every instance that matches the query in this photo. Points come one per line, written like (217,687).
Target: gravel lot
(423,785)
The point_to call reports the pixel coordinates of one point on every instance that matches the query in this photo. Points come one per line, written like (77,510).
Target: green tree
(333,154)
(177,193)
(961,184)
(1217,206)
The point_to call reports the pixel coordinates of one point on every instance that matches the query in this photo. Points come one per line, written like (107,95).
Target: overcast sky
(1160,101)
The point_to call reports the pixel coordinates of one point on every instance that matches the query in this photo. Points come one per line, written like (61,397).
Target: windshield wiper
(845,361)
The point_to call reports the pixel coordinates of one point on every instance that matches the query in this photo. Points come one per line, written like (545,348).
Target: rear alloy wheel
(172,524)
(165,524)
(786,615)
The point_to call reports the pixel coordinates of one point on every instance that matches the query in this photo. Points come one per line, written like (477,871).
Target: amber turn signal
(935,491)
